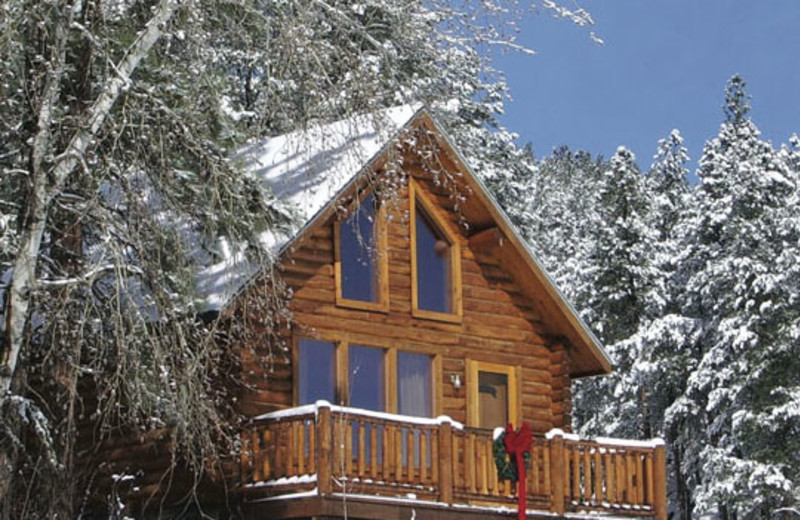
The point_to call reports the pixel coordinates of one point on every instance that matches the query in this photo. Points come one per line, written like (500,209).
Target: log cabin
(420,322)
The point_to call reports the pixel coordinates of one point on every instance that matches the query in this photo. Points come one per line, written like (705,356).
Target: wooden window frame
(342,369)
(514,385)
(418,199)
(381,258)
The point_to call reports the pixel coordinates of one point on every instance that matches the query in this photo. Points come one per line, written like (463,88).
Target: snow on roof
(306,170)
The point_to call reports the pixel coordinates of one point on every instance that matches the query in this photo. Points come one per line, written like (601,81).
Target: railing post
(557,471)
(446,461)
(660,482)
(245,461)
(324,443)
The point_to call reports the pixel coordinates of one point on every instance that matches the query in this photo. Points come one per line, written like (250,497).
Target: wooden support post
(557,472)
(445,462)
(246,461)
(324,445)
(660,483)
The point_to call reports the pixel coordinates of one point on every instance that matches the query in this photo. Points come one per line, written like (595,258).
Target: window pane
(316,371)
(366,378)
(433,267)
(492,399)
(414,384)
(358,255)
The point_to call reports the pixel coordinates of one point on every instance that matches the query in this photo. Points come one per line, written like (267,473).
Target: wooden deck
(316,460)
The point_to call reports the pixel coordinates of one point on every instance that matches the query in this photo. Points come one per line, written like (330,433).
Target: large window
(435,262)
(316,371)
(414,379)
(376,378)
(366,377)
(361,266)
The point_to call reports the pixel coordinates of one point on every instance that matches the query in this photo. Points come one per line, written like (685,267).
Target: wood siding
(499,323)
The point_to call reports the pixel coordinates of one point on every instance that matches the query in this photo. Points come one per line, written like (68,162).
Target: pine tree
(741,247)
(623,301)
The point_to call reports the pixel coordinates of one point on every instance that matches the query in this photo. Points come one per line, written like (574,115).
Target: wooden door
(492,395)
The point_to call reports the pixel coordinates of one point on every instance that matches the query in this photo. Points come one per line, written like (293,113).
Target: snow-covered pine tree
(666,342)
(622,300)
(736,413)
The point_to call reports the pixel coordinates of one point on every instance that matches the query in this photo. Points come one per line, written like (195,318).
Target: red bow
(517,444)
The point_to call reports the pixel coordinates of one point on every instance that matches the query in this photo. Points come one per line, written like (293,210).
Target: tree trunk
(682,489)
(47,182)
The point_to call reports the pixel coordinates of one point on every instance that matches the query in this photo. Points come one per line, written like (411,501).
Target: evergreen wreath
(506,466)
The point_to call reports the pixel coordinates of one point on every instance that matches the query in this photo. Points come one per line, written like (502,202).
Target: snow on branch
(89,276)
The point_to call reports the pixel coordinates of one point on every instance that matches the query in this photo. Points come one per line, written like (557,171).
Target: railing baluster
(546,467)
(648,471)
(630,468)
(388,455)
(435,457)
(362,448)
(299,431)
(458,468)
(373,450)
(469,463)
(576,473)
(279,467)
(622,478)
(609,479)
(410,455)
(641,490)
(483,469)
(398,452)
(423,457)
(490,472)
(348,447)
(255,454)
(587,475)
(312,448)
(339,445)
(533,480)
(598,477)
(637,478)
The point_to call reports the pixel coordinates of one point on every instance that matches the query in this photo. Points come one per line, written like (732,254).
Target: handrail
(339,449)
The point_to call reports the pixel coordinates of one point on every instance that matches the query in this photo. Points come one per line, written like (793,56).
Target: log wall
(499,323)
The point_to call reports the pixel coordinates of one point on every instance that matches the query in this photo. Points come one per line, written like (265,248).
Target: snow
(608,441)
(626,443)
(307,171)
(346,410)
(284,481)
(558,432)
(289,496)
(293,412)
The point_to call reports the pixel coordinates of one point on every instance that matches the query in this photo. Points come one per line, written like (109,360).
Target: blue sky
(663,65)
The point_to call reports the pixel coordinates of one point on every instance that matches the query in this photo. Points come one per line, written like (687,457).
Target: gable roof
(310,170)
(307,171)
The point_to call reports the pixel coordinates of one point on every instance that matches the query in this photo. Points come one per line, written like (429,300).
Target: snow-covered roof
(311,169)
(306,170)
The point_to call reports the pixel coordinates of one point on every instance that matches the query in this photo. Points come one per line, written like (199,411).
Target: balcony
(324,460)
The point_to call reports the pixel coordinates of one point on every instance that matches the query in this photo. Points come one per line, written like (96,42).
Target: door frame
(514,400)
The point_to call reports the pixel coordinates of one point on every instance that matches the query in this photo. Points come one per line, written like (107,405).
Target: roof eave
(584,334)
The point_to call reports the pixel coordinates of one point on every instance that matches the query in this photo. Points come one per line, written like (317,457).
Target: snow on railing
(341,449)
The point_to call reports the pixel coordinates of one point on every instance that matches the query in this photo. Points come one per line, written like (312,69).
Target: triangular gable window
(361,266)
(435,262)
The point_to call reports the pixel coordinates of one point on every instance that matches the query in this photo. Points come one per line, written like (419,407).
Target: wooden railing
(344,450)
